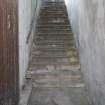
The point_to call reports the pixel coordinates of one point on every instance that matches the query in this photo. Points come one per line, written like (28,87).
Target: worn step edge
(77,85)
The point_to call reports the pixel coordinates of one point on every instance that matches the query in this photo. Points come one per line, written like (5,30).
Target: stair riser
(48,18)
(53,27)
(54,64)
(62,68)
(60,44)
(53,7)
(53,13)
(55,42)
(51,16)
(47,49)
(48,30)
(53,23)
(48,39)
(56,35)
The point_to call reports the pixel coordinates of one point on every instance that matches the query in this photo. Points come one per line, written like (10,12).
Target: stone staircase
(54,60)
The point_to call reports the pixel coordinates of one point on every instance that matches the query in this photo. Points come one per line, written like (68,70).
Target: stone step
(53,45)
(53,62)
(42,42)
(73,85)
(53,13)
(47,63)
(44,29)
(53,9)
(54,49)
(49,15)
(53,71)
(53,39)
(55,78)
(51,42)
(53,2)
(54,26)
(49,30)
(49,23)
(52,52)
(53,16)
(53,19)
(53,57)
(55,36)
(55,33)
(55,67)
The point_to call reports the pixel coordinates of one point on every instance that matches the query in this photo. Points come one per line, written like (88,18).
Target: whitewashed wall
(26,12)
(88,22)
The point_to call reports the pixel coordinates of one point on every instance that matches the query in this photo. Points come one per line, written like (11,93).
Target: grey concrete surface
(58,96)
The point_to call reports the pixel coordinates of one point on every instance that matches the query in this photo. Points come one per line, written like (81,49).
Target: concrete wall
(26,14)
(88,23)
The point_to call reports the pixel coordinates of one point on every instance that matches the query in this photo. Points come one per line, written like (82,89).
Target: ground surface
(58,96)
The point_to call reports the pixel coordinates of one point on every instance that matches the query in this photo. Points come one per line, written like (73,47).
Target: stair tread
(51,55)
(54,63)
(52,78)
(52,70)
(52,48)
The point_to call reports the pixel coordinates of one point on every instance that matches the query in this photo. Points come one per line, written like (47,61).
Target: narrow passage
(54,67)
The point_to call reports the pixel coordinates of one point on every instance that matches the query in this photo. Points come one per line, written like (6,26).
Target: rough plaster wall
(72,7)
(26,13)
(88,23)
